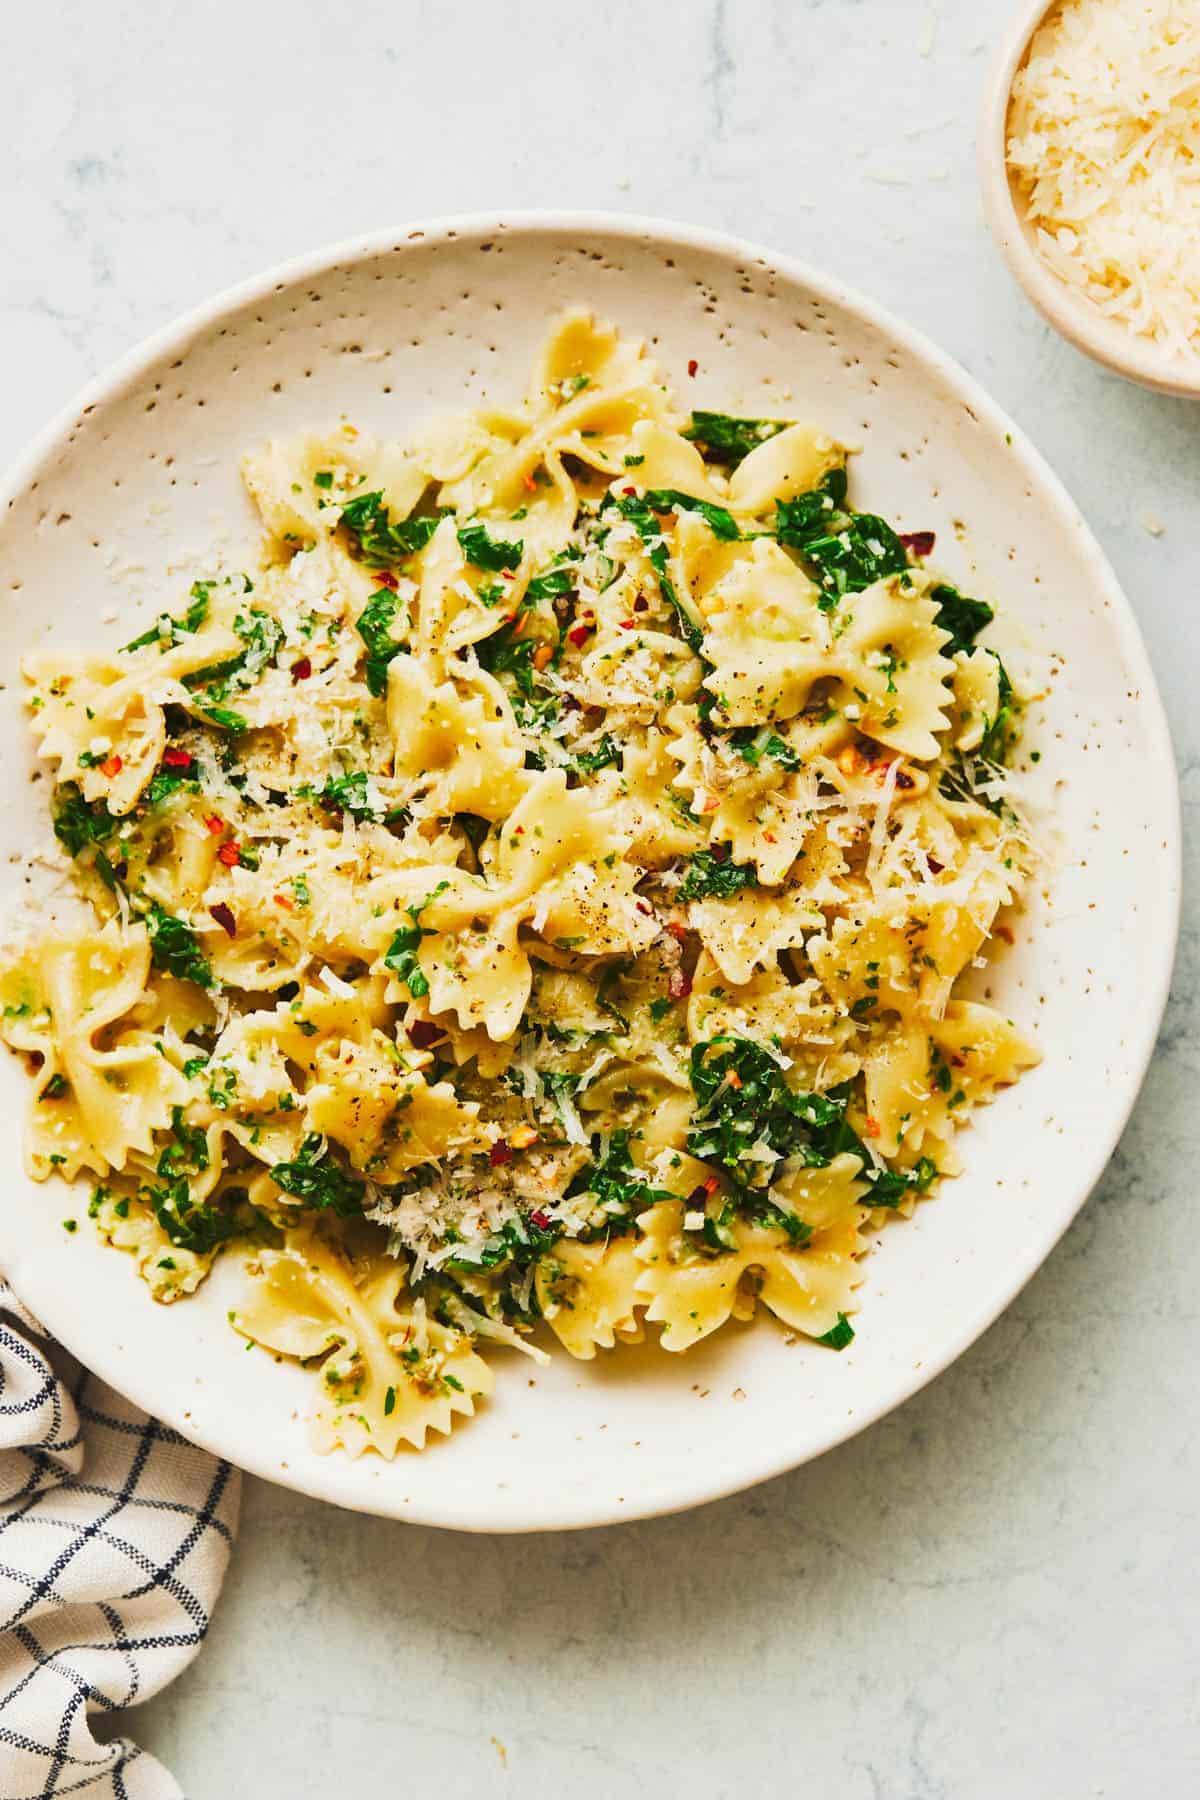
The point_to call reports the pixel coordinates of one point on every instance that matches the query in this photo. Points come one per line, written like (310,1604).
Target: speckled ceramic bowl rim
(775,1457)
(1102,339)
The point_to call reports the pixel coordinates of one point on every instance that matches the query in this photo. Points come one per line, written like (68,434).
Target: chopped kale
(839,1335)
(747,1117)
(174,947)
(380,541)
(487,552)
(78,822)
(262,636)
(349,793)
(402,957)
(753,742)
(642,518)
(606,754)
(961,616)
(744,1106)
(190,1224)
(374,627)
(504,654)
(225,717)
(846,552)
(721,523)
(517,1244)
(728,440)
(552,584)
(165,782)
(811,515)
(716,877)
(619,1190)
(865,551)
(994,745)
(168,631)
(314,1177)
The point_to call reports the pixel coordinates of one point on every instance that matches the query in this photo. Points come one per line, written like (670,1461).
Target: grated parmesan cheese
(1103,130)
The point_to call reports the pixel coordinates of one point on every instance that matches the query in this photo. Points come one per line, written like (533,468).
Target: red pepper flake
(386,579)
(302,669)
(499,1154)
(711,1184)
(641,604)
(871,1128)
(508,574)
(919,542)
(629,490)
(960,1062)
(423,1033)
(112,765)
(215,824)
(734,1079)
(904,780)
(935,867)
(530,484)
(177,759)
(579,634)
(693,365)
(225,919)
(644,906)
(625,625)
(540,1219)
(230,855)
(677,930)
(719,852)
(698,1195)
(282,900)
(679,985)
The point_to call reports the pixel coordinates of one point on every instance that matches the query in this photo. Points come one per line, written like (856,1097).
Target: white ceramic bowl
(116,507)
(1138,359)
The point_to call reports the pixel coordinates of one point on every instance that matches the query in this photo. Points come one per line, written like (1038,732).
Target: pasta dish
(539,891)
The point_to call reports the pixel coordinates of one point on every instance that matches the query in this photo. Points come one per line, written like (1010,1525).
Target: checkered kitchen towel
(114,1536)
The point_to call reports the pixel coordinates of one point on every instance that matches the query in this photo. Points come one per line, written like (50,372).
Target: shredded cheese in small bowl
(1090,155)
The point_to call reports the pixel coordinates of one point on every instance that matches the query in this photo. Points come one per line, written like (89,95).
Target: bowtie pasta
(538,892)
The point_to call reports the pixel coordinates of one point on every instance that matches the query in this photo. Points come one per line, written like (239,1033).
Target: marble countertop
(992,1592)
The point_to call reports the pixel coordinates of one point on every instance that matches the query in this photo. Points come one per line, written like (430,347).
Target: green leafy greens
(401,955)
(487,552)
(713,877)
(314,1177)
(175,948)
(380,541)
(721,523)
(727,440)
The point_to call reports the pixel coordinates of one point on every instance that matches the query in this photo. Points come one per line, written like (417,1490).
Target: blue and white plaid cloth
(114,1537)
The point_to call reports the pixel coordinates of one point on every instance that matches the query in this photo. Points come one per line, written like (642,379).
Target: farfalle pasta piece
(586,1293)
(126,1220)
(692,1292)
(102,722)
(375,1101)
(388,1375)
(766,636)
(103,1087)
(892,673)
(746,932)
(547,872)
(456,740)
(790,463)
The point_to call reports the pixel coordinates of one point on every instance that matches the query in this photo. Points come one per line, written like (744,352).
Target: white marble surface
(993,1593)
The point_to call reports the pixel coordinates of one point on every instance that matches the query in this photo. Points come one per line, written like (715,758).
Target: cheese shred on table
(1103,133)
